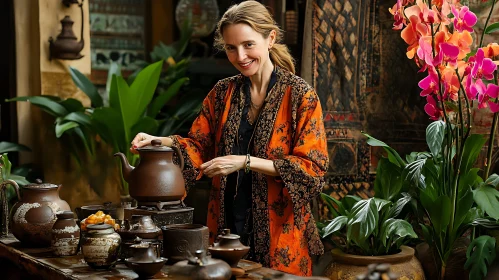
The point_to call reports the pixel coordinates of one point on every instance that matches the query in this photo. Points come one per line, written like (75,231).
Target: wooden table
(40,263)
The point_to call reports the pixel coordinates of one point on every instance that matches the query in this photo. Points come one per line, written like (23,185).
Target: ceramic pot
(146,269)
(156,170)
(347,267)
(87,210)
(200,267)
(229,248)
(35,214)
(183,240)
(100,247)
(139,226)
(65,235)
(144,252)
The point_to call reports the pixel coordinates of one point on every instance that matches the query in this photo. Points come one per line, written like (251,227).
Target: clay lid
(156,146)
(65,215)
(99,227)
(39,185)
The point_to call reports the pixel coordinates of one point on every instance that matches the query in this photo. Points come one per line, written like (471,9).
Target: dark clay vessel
(35,213)
(100,247)
(65,235)
(87,210)
(200,267)
(181,241)
(156,177)
(229,248)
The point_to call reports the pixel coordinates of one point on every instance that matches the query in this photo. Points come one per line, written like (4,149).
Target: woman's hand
(143,139)
(223,165)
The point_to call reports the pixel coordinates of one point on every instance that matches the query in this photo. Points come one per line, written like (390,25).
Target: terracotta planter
(348,267)
(65,235)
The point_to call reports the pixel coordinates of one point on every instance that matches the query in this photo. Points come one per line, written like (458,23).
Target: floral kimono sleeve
(198,147)
(302,171)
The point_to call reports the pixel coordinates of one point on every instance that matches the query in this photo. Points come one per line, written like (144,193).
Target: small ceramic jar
(101,246)
(65,235)
(229,248)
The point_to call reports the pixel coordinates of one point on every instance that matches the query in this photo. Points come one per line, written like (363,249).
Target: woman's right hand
(141,139)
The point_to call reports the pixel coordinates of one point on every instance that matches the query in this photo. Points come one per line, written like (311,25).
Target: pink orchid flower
(484,94)
(464,19)
(430,84)
(482,67)
(432,109)
(448,53)
(398,15)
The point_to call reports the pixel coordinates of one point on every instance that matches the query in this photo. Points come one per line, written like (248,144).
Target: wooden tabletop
(41,262)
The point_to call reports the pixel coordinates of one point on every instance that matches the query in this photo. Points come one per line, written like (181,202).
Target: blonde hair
(259,19)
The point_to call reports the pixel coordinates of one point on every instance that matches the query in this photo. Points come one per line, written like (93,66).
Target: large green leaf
(464,204)
(114,70)
(388,182)
(486,197)
(7,165)
(399,205)
(472,148)
(492,28)
(393,156)
(438,209)
(78,117)
(83,83)
(335,225)
(334,205)
(395,229)
(72,105)
(412,171)
(142,89)
(480,254)
(6,147)
(493,180)
(145,124)
(435,133)
(470,179)
(60,128)
(362,221)
(165,96)
(109,125)
(45,103)
(349,201)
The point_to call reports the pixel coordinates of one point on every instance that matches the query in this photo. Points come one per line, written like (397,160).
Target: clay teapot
(33,216)
(200,267)
(156,178)
(229,248)
(66,45)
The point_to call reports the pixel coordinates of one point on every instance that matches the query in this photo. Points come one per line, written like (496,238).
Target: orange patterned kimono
(291,133)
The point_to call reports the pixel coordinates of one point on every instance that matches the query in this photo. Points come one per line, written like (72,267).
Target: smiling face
(247,49)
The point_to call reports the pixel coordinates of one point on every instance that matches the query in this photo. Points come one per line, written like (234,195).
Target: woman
(260,136)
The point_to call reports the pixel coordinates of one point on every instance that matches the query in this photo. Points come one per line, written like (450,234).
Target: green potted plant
(367,231)
(454,194)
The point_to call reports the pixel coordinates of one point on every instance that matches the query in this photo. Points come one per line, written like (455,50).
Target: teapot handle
(13,183)
(177,150)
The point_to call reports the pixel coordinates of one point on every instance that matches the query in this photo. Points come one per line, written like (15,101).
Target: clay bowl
(146,269)
(230,256)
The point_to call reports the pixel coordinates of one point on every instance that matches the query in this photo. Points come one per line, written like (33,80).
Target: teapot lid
(99,226)
(156,146)
(40,185)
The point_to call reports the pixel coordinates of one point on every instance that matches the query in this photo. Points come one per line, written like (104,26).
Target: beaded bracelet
(247,166)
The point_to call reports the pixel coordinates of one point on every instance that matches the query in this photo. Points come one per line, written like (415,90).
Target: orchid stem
(487,22)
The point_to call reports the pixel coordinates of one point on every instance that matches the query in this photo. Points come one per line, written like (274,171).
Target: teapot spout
(125,166)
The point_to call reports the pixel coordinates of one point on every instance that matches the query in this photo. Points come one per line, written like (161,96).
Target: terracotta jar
(181,241)
(35,213)
(65,235)
(229,248)
(200,268)
(100,247)
(156,177)
(348,267)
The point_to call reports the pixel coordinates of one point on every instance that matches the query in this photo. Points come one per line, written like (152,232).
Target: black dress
(238,204)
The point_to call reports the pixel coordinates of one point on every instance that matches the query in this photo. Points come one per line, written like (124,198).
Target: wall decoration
(117,33)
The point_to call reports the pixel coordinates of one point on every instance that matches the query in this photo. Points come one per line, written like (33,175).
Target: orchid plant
(453,192)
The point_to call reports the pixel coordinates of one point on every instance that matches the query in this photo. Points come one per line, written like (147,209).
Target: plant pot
(455,262)
(348,267)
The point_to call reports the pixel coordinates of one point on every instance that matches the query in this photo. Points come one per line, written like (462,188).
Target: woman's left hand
(223,165)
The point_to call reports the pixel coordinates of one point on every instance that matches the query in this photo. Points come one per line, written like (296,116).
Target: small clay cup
(146,269)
